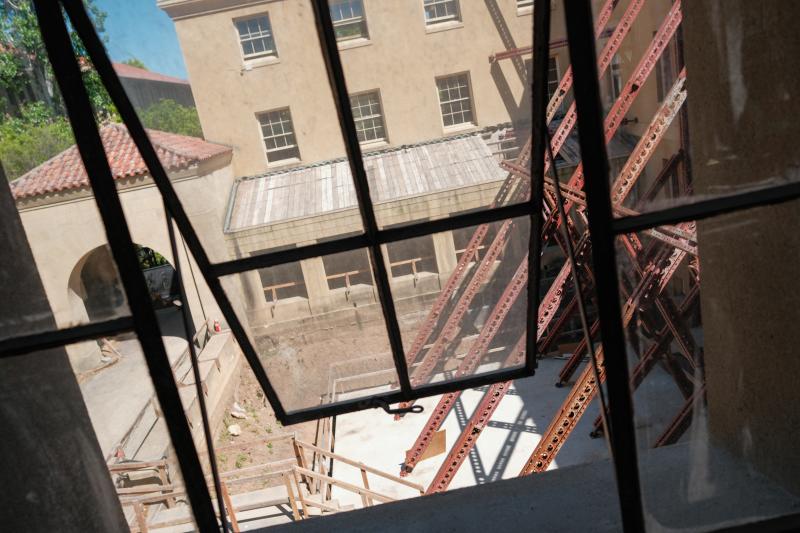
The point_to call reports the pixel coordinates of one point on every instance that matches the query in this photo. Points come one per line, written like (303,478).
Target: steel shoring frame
(633,168)
(578,16)
(448,331)
(491,400)
(79,110)
(661,342)
(622,104)
(562,132)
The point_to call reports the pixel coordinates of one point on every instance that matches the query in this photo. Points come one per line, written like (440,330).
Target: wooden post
(141,517)
(300,493)
(366,500)
(162,475)
(290,493)
(229,504)
(301,462)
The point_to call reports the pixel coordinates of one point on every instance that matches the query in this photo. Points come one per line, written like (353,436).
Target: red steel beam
(559,138)
(585,388)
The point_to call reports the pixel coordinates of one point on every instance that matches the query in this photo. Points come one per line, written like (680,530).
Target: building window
(616,77)
(455,100)
(256,37)
(348,19)
(279,137)
(368,116)
(437,11)
(521,4)
(552,77)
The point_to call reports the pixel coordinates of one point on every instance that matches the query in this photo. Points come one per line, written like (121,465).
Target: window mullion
(330,51)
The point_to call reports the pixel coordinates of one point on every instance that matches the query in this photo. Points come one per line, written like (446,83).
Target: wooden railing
(300,481)
(273,289)
(324,481)
(413,262)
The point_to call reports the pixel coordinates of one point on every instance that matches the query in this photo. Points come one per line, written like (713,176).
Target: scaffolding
(650,265)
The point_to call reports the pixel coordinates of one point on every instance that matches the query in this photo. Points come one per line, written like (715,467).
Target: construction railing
(307,479)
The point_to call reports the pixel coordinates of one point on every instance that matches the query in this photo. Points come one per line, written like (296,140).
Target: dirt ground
(298,360)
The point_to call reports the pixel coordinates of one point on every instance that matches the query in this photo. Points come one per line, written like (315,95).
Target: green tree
(33,126)
(169,115)
(134,62)
(25,73)
(31,138)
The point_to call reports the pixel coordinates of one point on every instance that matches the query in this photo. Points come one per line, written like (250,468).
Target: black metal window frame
(371,239)
(603,227)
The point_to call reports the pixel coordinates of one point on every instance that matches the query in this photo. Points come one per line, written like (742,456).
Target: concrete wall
(54,476)
(402,58)
(743,107)
(64,229)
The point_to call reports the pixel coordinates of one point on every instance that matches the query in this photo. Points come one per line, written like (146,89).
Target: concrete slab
(116,395)
(580,498)
(376,439)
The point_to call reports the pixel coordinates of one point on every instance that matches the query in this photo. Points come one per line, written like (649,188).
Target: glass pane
(686,105)
(712,352)
(318,328)
(465,292)
(56,230)
(448,123)
(131,431)
(237,103)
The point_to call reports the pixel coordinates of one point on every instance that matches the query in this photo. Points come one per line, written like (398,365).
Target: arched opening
(97,294)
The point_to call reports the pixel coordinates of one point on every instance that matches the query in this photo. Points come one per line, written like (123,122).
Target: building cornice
(182,9)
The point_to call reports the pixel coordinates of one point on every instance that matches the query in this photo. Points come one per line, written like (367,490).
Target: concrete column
(316,284)
(54,475)
(445,249)
(743,108)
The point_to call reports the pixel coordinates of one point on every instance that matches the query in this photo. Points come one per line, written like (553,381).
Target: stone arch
(95,291)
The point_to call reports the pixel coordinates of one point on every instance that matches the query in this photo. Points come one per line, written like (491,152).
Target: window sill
(354,43)
(460,128)
(282,162)
(444,26)
(257,62)
(524,11)
(373,145)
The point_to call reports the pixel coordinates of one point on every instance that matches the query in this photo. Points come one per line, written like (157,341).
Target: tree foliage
(33,126)
(31,138)
(169,115)
(134,62)
(25,73)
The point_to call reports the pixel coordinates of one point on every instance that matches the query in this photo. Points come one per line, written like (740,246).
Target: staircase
(294,489)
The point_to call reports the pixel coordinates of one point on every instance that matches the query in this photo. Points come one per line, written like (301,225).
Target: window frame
(362,20)
(470,99)
(266,54)
(447,19)
(381,115)
(603,225)
(278,149)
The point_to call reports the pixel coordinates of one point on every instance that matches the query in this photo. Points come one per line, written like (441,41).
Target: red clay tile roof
(129,71)
(65,171)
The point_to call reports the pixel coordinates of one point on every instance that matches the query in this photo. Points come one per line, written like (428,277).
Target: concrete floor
(115,395)
(376,439)
(582,498)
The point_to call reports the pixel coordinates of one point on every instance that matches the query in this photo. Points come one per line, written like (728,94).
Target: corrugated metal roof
(393,175)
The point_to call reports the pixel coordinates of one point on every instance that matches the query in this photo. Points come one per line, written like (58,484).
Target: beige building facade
(397,56)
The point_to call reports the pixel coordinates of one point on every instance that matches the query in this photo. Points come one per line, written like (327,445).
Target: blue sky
(137,28)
